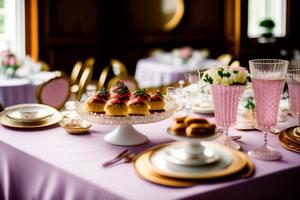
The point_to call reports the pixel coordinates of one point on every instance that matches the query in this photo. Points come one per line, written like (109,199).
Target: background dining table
(22,90)
(154,72)
(49,163)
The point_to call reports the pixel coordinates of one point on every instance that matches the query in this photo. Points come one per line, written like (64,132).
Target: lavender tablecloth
(16,91)
(51,164)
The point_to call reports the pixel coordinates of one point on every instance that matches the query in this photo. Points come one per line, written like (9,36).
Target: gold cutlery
(119,157)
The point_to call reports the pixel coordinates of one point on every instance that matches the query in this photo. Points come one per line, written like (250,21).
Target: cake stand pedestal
(125,135)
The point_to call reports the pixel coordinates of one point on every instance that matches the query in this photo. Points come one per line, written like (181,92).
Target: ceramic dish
(75,127)
(243,126)
(53,119)
(203,110)
(29,113)
(229,163)
(141,166)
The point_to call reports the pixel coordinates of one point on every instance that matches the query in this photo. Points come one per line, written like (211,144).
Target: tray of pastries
(121,106)
(193,127)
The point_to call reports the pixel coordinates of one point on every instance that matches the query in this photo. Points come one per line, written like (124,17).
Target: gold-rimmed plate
(42,113)
(287,143)
(293,134)
(52,119)
(230,162)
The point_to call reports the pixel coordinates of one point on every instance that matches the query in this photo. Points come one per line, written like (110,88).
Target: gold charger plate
(291,134)
(235,164)
(239,161)
(141,165)
(288,144)
(53,119)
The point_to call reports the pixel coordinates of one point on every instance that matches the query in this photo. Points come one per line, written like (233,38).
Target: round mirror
(155,15)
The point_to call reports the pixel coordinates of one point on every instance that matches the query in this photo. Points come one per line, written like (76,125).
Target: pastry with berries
(141,93)
(116,107)
(97,102)
(120,91)
(137,106)
(156,102)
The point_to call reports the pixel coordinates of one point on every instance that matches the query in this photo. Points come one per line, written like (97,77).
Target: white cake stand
(125,134)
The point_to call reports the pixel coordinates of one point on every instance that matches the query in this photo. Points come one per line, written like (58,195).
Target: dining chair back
(129,81)
(89,63)
(76,72)
(85,79)
(118,70)
(235,63)
(44,66)
(118,67)
(154,52)
(225,59)
(54,92)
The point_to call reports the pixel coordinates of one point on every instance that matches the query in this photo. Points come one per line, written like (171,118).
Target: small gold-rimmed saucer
(29,113)
(75,126)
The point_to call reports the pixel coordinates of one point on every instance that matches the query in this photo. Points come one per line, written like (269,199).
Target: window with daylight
(267,18)
(12,26)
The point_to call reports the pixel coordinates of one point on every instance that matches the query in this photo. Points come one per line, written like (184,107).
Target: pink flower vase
(226,99)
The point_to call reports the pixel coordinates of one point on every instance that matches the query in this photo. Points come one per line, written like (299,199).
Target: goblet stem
(227,141)
(265,138)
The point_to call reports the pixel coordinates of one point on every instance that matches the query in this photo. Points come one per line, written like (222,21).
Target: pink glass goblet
(226,99)
(267,77)
(293,80)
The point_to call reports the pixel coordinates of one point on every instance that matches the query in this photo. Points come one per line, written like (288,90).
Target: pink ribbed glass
(267,76)
(267,97)
(226,99)
(294,93)
(293,80)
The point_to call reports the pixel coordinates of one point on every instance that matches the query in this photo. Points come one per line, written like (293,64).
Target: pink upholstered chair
(54,92)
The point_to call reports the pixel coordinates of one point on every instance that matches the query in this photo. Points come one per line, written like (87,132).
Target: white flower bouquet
(226,75)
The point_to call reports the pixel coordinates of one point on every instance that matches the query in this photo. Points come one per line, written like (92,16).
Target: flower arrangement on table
(226,75)
(9,63)
(184,53)
(228,84)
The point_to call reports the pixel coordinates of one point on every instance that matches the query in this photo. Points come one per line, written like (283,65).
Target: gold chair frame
(85,79)
(235,63)
(123,74)
(225,58)
(76,72)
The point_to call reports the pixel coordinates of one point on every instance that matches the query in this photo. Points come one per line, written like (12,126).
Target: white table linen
(153,72)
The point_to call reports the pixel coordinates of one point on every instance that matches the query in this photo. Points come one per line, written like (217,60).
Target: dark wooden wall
(72,30)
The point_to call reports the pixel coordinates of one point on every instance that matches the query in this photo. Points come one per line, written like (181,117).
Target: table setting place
(203,149)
